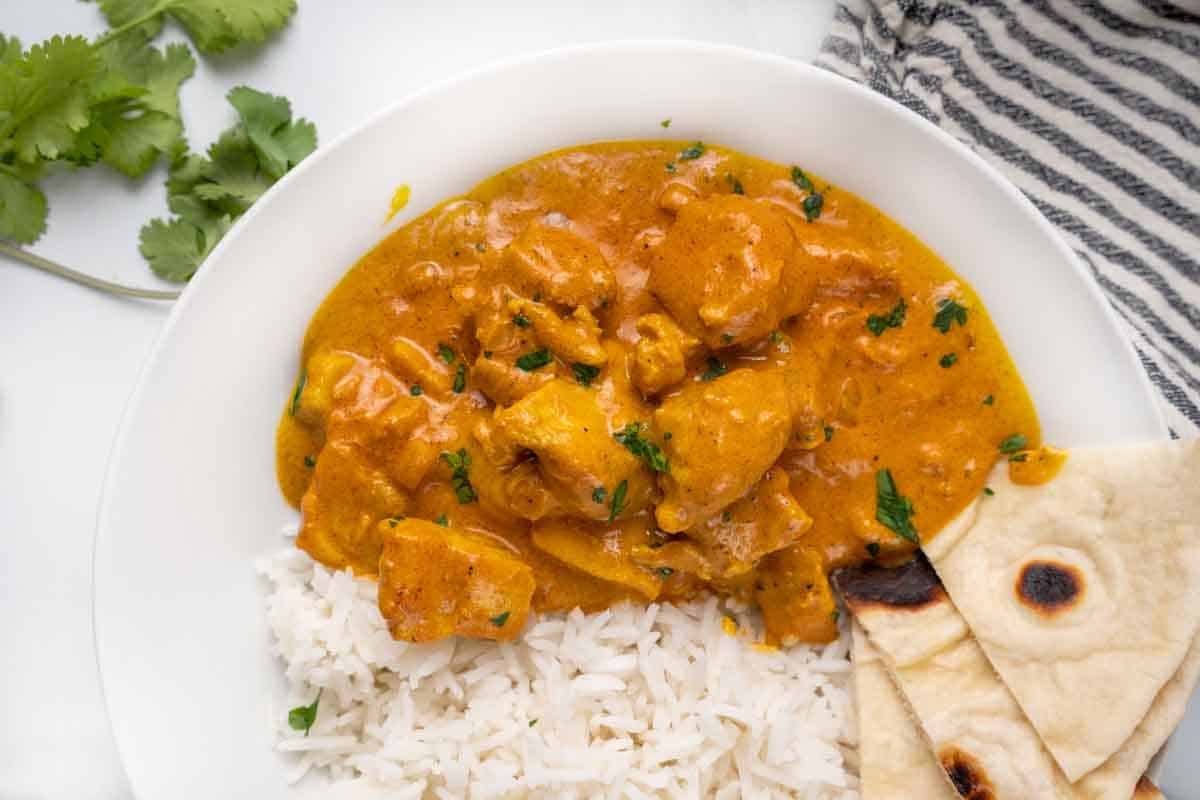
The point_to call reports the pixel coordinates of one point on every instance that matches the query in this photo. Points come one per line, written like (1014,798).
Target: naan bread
(895,762)
(976,729)
(1084,592)
(1146,790)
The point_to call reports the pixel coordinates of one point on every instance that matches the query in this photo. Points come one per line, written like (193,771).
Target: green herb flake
(585,373)
(987,490)
(835,615)
(892,509)
(665,572)
(949,311)
(460,379)
(618,500)
(878,323)
(394,521)
(726,338)
(775,337)
(301,718)
(948,360)
(801,180)
(666,123)
(735,185)
(1013,443)
(415,390)
(670,167)
(812,206)
(446,353)
(667,436)
(691,153)
(480,247)
(713,369)
(534,360)
(828,430)
(631,436)
(294,406)
(727,516)
(533,722)
(460,465)
(598,494)
(989,400)
(487,353)
(521,321)
(442,520)
(500,619)
(310,462)
(1019,457)
(873,549)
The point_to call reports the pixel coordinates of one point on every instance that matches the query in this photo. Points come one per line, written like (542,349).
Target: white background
(69,356)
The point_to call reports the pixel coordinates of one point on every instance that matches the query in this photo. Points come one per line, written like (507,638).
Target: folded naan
(895,762)
(976,729)
(1084,592)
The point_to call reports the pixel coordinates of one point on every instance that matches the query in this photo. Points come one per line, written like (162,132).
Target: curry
(641,371)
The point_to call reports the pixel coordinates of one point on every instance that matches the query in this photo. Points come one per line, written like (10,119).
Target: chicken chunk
(505,383)
(766,520)
(727,270)
(314,397)
(561,266)
(574,339)
(661,356)
(345,499)
(724,434)
(436,582)
(562,426)
(602,551)
(794,595)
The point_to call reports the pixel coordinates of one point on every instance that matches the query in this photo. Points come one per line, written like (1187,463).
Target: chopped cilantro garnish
(442,520)
(460,379)
(394,521)
(585,373)
(813,205)
(500,619)
(1013,443)
(666,123)
(460,465)
(535,360)
(598,494)
(892,509)
(667,436)
(618,500)
(446,353)
(713,369)
(775,337)
(521,321)
(872,549)
(670,167)
(295,404)
(692,152)
(988,491)
(949,311)
(835,615)
(534,721)
(310,462)
(801,180)
(948,360)
(726,516)
(828,432)
(631,436)
(726,338)
(734,184)
(878,323)
(415,390)
(666,572)
(1019,457)
(301,718)
(989,400)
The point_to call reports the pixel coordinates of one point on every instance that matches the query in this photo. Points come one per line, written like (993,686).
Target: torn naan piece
(1085,591)
(975,728)
(895,762)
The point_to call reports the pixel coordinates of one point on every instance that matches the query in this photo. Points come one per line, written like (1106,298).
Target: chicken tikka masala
(641,371)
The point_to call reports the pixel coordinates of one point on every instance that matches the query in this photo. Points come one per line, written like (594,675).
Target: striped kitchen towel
(1093,110)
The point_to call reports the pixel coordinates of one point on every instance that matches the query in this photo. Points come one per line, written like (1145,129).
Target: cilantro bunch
(72,102)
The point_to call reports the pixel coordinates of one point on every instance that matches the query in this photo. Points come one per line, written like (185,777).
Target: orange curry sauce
(487,394)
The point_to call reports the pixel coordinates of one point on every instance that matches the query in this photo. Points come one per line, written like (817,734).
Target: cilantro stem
(161,7)
(54,268)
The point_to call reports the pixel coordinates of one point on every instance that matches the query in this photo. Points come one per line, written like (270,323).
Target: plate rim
(102,532)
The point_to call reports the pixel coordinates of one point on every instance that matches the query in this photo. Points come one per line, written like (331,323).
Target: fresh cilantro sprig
(301,718)
(949,311)
(878,323)
(460,478)
(214,25)
(207,194)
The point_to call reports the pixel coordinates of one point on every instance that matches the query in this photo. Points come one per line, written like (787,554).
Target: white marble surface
(69,357)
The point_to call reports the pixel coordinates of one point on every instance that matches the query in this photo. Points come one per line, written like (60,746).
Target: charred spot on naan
(910,586)
(966,773)
(1050,588)
(1146,790)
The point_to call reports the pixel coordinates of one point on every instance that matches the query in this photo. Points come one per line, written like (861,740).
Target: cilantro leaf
(1013,443)
(214,25)
(44,98)
(280,142)
(22,208)
(175,248)
(631,436)
(617,504)
(585,373)
(713,369)
(949,311)
(301,718)
(692,152)
(460,378)
(878,323)
(460,465)
(534,360)
(500,619)
(892,509)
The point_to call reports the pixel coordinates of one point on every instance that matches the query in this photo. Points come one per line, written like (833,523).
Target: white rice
(637,702)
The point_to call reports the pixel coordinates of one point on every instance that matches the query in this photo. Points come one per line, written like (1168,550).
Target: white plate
(191,498)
